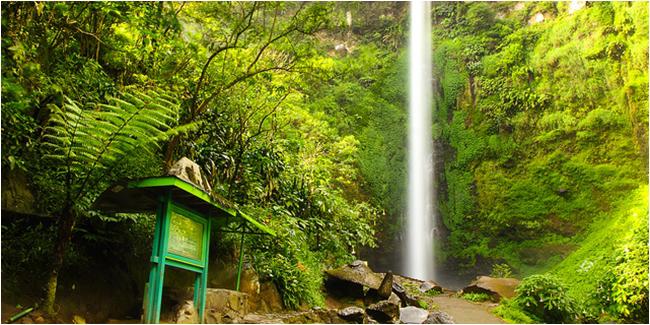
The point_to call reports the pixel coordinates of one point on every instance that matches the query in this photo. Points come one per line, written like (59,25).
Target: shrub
(543,296)
(511,312)
(501,271)
(624,291)
(476,297)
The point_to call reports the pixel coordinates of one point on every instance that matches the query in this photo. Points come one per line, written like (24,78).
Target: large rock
(413,315)
(427,286)
(386,286)
(497,288)
(384,311)
(189,171)
(352,314)
(269,299)
(438,317)
(407,300)
(357,272)
(226,301)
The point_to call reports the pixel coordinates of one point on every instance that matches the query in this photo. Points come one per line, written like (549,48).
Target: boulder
(413,315)
(189,171)
(407,300)
(427,286)
(224,301)
(384,311)
(438,317)
(497,288)
(386,286)
(269,298)
(352,314)
(357,272)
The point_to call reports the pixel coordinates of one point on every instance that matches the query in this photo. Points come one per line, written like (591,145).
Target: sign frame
(161,257)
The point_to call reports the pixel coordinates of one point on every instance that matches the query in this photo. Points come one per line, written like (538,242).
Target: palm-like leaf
(88,144)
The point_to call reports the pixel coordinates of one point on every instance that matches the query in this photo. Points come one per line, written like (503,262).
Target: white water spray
(420,219)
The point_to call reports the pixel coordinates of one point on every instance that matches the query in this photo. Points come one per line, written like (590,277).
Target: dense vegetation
(546,128)
(253,92)
(296,113)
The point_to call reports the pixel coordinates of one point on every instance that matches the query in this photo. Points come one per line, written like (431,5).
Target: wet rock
(428,286)
(497,288)
(352,314)
(386,286)
(438,317)
(186,313)
(413,315)
(384,311)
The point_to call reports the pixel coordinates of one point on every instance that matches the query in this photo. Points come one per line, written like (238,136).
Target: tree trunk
(65,225)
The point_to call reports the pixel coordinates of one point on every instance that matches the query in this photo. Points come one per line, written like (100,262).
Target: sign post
(181,240)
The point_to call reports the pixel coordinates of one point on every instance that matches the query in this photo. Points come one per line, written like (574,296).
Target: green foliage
(433,293)
(501,271)
(526,170)
(476,297)
(543,296)
(513,314)
(296,273)
(86,146)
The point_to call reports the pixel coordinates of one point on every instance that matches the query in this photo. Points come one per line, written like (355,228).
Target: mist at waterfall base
(420,218)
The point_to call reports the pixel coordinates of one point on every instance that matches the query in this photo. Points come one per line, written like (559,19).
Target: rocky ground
(354,294)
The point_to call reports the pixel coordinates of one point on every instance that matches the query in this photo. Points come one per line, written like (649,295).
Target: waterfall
(419,260)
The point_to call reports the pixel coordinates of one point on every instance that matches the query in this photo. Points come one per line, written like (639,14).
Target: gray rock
(384,311)
(407,300)
(428,286)
(395,298)
(353,314)
(189,171)
(224,301)
(357,272)
(438,317)
(413,315)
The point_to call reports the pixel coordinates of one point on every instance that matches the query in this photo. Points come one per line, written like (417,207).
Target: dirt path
(465,312)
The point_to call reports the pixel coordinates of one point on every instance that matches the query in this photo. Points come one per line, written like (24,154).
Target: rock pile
(381,295)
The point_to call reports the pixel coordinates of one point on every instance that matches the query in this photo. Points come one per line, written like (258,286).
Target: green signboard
(185,237)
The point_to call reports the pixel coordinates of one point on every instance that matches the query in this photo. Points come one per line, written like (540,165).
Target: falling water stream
(419,259)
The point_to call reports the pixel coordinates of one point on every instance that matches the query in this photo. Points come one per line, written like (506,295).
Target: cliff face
(543,122)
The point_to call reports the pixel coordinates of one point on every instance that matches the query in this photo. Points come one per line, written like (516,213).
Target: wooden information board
(185,237)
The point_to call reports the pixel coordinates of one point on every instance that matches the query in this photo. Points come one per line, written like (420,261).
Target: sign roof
(137,196)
